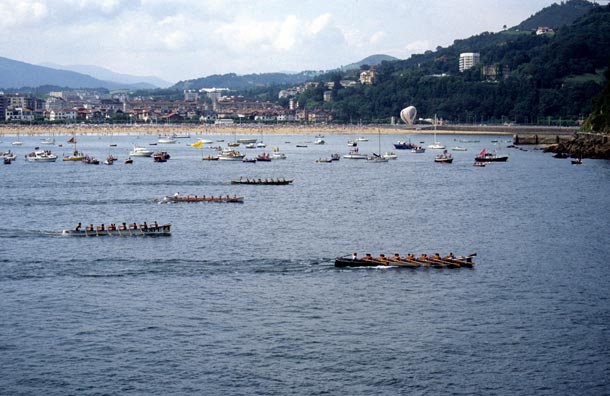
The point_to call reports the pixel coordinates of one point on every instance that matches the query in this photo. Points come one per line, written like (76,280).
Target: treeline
(540,79)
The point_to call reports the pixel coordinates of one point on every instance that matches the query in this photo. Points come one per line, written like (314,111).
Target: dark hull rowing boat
(195,198)
(276,182)
(162,230)
(347,261)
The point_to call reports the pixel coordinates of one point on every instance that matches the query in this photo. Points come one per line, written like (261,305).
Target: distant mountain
(240,82)
(141,82)
(556,15)
(372,60)
(16,74)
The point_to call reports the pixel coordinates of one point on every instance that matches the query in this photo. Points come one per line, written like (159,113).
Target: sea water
(244,299)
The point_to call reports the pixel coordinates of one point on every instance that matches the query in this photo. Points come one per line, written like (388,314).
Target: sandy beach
(238,129)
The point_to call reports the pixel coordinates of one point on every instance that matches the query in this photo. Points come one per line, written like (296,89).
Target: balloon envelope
(408,115)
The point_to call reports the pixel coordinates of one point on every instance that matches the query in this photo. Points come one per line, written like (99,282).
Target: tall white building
(468,60)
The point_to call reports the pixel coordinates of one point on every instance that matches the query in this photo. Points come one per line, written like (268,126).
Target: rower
(424,257)
(155,225)
(368,257)
(354,256)
(396,257)
(382,259)
(436,256)
(123,226)
(450,256)
(77,228)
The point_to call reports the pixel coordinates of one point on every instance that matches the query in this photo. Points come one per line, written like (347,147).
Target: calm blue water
(243,299)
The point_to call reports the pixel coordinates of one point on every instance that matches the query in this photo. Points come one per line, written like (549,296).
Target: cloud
(22,13)
(377,37)
(418,46)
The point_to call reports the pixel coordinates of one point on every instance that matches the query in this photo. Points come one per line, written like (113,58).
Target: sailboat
(17,142)
(234,143)
(436,145)
(76,155)
(377,158)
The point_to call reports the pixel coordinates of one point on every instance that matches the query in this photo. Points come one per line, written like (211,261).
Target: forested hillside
(540,79)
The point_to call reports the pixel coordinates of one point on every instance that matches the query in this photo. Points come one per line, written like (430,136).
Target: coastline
(238,129)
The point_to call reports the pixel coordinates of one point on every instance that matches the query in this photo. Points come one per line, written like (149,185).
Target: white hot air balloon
(408,115)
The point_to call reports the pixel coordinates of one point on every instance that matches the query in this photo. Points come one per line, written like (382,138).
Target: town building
(468,60)
(367,77)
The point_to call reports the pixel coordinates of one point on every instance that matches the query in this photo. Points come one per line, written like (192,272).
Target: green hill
(557,15)
(536,77)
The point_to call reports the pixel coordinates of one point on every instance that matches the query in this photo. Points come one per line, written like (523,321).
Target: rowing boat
(274,182)
(195,198)
(434,262)
(162,230)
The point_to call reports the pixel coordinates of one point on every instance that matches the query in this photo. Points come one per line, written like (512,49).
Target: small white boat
(141,152)
(41,156)
(231,155)
(352,143)
(436,146)
(261,145)
(9,155)
(17,143)
(250,145)
(166,140)
(319,141)
(362,139)
(459,148)
(277,155)
(246,140)
(48,141)
(355,155)
(390,155)
(376,159)
(418,150)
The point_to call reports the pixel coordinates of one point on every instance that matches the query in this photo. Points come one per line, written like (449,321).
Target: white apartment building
(469,60)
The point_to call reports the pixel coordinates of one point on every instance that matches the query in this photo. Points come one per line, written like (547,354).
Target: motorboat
(362,139)
(247,140)
(260,145)
(231,155)
(459,148)
(436,146)
(354,154)
(250,145)
(90,160)
(48,141)
(161,156)
(323,161)
(264,157)
(402,145)
(485,156)
(335,157)
(109,160)
(166,140)
(277,155)
(249,160)
(141,152)
(352,143)
(444,158)
(418,150)
(9,155)
(390,155)
(76,156)
(41,156)
(319,141)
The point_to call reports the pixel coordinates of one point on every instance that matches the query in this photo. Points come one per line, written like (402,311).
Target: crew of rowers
(382,259)
(178,197)
(121,227)
(265,180)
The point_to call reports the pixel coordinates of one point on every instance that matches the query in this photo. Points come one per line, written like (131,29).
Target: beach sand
(238,129)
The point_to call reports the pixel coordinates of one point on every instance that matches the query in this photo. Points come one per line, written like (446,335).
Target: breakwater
(584,145)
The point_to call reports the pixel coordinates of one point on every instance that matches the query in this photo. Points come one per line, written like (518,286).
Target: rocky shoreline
(584,145)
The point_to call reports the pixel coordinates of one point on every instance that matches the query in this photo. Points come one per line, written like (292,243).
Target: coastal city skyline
(185,40)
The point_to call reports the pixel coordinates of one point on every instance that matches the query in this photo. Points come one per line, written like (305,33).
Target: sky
(185,39)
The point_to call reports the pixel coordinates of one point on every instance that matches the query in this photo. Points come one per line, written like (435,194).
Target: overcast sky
(185,39)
